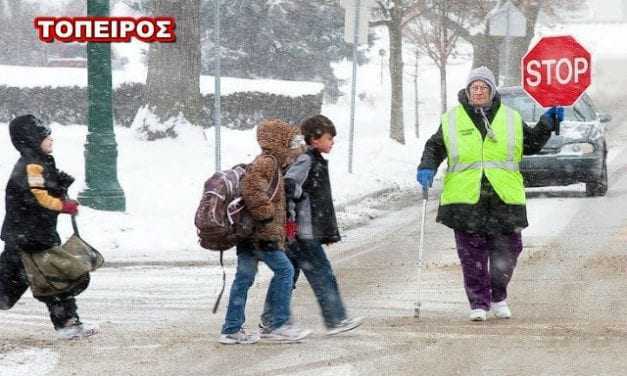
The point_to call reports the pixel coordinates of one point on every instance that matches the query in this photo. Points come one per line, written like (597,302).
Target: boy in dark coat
(35,195)
(307,184)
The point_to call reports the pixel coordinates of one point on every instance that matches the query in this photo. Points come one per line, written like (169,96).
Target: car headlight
(577,148)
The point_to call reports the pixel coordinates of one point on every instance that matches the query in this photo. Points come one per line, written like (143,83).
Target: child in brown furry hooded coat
(267,243)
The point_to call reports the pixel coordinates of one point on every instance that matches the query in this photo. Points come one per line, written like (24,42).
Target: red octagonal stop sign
(556,71)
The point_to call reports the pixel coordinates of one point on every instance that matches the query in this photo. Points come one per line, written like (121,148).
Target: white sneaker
(264,330)
(501,310)
(286,333)
(345,325)
(88,329)
(478,314)
(238,338)
(74,329)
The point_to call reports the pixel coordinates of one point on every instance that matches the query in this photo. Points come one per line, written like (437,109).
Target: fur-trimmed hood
(274,137)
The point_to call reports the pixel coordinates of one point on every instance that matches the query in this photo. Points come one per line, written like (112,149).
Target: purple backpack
(221,218)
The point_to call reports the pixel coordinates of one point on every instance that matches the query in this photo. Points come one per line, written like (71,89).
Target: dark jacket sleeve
(434,152)
(535,138)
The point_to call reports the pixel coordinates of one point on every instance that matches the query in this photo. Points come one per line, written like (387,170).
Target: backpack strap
(217,303)
(275,178)
(274,188)
(274,183)
(75,226)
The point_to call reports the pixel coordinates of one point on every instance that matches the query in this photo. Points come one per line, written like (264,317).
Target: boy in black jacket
(307,184)
(35,195)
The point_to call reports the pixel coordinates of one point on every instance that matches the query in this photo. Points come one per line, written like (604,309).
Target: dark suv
(577,155)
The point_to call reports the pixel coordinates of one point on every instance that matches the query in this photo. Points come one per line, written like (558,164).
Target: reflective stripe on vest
(498,159)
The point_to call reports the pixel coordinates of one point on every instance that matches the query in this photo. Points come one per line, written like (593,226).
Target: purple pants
(488,262)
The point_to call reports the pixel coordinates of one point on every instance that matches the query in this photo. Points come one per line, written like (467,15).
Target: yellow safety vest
(470,156)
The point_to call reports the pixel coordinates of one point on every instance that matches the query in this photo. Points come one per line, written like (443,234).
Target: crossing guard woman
(483,199)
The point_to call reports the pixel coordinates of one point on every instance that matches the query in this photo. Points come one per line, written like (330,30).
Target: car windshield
(530,111)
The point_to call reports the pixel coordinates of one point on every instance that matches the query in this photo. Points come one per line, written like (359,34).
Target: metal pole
(382,55)
(425,199)
(416,100)
(354,88)
(103,191)
(443,54)
(508,42)
(381,72)
(217,116)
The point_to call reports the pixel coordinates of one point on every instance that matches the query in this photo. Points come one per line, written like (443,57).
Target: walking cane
(425,198)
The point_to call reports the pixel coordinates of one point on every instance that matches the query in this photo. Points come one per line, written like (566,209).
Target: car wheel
(599,187)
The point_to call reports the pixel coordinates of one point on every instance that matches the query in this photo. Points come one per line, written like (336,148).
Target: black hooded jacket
(490,214)
(28,225)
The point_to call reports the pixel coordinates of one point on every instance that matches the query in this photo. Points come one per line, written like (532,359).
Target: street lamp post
(103,190)
(217,112)
(354,87)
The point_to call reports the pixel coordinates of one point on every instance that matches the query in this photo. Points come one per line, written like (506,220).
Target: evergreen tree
(288,39)
(19,44)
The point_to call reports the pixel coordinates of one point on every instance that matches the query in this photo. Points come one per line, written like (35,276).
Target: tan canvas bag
(58,269)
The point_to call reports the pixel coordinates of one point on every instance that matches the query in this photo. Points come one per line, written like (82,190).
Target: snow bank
(28,362)
(20,76)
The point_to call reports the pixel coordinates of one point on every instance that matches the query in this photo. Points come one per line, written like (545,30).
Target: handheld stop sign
(556,71)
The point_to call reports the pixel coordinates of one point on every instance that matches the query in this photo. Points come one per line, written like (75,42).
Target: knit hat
(27,132)
(484,74)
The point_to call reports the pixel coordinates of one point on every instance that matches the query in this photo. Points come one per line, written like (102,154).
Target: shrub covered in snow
(68,105)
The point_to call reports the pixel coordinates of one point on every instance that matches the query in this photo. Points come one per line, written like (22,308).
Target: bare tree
(19,44)
(531,9)
(435,40)
(415,77)
(173,82)
(486,48)
(394,14)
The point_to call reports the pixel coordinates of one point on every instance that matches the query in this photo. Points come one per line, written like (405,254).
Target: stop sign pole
(556,71)
(356,32)
(355,42)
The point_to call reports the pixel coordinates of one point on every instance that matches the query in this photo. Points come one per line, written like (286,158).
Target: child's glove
(70,207)
(290,229)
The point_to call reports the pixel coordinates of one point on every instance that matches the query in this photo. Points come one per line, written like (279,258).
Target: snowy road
(568,295)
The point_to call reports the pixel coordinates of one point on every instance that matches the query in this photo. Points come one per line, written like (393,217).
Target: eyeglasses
(477,88)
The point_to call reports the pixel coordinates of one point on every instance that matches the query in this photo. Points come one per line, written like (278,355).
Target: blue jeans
(312,260)
(279,293)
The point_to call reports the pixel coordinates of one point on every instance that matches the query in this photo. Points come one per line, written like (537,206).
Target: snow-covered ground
(21,76)
(33,361)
